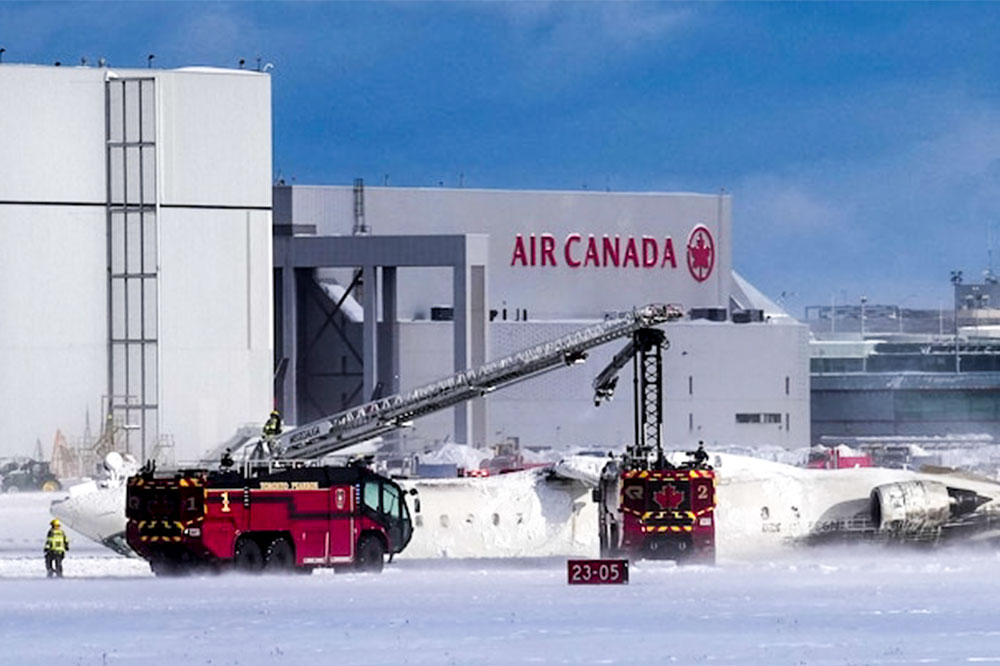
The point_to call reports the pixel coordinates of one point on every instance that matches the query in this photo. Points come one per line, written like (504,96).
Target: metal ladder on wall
(132,212)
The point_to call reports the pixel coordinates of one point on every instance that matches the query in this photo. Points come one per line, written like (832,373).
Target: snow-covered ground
(823,607)
(838,606)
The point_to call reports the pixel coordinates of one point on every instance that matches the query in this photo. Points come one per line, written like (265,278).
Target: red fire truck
(664,513)
(280,519)
(647,506)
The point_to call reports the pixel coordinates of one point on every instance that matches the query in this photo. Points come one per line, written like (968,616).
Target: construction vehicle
(649,507)
(27,476)
(280,511)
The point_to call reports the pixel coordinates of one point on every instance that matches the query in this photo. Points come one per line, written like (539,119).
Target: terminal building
(154,279)
(885,373)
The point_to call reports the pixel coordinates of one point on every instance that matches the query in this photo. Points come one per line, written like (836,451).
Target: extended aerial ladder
(330,434)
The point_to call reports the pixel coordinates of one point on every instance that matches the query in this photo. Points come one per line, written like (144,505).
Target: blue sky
(860,142)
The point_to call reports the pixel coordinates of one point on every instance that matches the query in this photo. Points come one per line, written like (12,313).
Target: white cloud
(213,34)
(783,206)
(558,44)
(885,226)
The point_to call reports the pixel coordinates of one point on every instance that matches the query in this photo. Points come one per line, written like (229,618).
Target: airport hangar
(140,267)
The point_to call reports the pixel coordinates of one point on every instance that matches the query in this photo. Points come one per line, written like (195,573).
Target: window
(370,499)
(757,417)
(787,385)
(690,385)
(390,501)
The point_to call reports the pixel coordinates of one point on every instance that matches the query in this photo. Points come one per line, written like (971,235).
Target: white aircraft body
(762,507)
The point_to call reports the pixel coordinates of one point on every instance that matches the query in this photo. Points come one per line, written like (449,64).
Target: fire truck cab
(283,519)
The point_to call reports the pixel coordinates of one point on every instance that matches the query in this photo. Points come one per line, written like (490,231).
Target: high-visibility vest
(272,427)
(56,541)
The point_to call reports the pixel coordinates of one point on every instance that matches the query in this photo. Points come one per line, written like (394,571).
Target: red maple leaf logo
(700,253)
(668,497)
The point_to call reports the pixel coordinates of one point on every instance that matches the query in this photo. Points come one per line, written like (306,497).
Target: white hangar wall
(726,383)
(205,272)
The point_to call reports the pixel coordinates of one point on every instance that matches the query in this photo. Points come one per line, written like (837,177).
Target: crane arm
(605,383)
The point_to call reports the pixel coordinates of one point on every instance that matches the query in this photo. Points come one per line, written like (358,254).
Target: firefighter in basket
(698,459)
(273,426)
(56,545)
(266,446)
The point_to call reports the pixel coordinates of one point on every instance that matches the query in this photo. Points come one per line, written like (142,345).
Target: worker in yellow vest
(273,426)
(56,545)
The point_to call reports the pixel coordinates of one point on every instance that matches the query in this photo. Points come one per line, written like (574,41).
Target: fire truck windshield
(384,502)
(383,498)
(390,501)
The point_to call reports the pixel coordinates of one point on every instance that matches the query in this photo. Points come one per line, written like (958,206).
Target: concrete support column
(478,323)
(370,330)
(470,317)
(460,326)
(289,341)
(389,351)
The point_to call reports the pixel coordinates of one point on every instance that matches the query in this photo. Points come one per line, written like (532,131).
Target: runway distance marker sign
(597,572)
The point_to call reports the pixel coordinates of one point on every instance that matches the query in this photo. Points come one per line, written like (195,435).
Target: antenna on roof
(83,61)
(360,228)
(268,67)
(258,63)
(101,62)
(149,60)
(989,247)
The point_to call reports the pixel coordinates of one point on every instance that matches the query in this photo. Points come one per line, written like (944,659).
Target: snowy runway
(838,606)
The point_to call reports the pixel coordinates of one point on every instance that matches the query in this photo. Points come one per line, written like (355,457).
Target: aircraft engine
(910,507)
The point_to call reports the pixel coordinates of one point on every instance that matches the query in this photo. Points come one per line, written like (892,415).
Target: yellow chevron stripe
(668,514)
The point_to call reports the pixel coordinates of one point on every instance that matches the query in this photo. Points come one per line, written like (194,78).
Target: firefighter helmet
(54,522)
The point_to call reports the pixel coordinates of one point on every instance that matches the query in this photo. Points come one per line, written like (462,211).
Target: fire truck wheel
(279,557)
(248,557)
(371,554)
